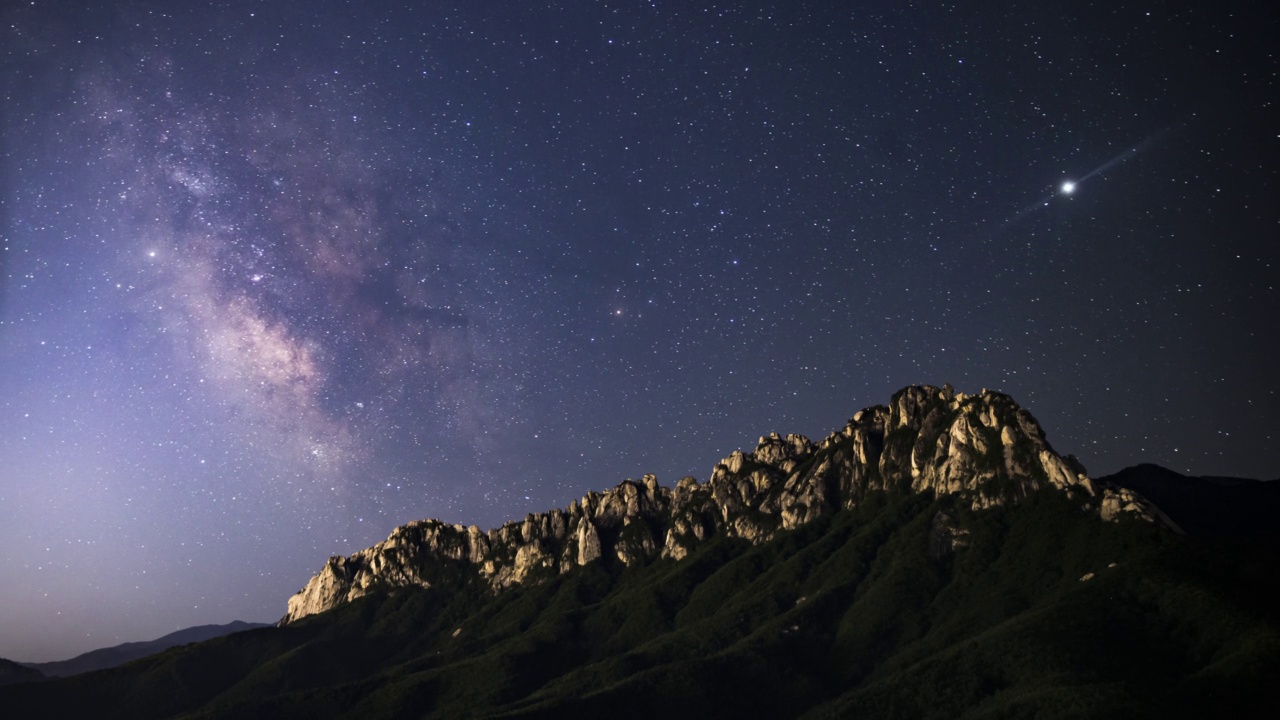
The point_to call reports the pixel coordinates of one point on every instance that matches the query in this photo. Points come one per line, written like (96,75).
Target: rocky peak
(984,448)
(782,453)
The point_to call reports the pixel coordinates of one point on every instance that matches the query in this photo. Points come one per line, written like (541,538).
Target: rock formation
(984,448)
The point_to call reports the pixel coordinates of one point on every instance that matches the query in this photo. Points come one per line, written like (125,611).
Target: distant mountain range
(1215,507)
(110,657)
(12,672)
(934,558)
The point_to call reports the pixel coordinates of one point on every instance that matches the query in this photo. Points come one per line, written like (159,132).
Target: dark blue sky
(279,276)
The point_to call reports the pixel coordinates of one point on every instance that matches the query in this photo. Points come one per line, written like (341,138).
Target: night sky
(279,276)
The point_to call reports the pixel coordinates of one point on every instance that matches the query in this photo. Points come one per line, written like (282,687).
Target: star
(1068,187)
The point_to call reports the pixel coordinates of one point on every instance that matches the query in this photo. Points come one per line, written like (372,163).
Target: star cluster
(277,277)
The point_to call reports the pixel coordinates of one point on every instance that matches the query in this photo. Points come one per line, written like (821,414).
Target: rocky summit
(983,448)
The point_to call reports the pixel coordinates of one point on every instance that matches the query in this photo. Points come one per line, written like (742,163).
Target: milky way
(278,277)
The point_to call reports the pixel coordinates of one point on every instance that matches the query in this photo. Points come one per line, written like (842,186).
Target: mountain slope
(927,439)
(12,672)
(109,657)
(860,613)
(1002,595)
(1209,506)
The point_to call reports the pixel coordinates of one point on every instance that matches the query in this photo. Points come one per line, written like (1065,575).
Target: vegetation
(847,616)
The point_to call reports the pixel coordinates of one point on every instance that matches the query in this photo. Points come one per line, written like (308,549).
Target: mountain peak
(984,447)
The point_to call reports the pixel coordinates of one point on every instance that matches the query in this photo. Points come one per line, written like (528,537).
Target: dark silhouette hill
(1216,507)
(12,672)
(119,654)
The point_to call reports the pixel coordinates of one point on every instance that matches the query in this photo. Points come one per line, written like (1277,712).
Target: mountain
(1217,507)
(119,654)
(934,558)
(12,672)
(982,447)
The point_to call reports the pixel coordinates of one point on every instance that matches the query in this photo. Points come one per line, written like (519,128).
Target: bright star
(1068,187)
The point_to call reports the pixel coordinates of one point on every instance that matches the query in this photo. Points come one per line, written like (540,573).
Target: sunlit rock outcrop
(983,448)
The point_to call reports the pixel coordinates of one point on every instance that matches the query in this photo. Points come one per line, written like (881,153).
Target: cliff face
(982,447)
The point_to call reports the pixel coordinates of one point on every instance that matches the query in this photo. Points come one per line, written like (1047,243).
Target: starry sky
(276,277)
